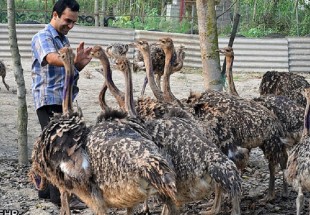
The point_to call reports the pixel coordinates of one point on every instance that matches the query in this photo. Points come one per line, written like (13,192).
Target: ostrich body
(298,164)
(116,50)
(59,154)
(3,74)
(288,112)
(199,165)
(284,83)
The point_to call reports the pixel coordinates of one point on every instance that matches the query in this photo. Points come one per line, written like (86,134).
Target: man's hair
(61,5)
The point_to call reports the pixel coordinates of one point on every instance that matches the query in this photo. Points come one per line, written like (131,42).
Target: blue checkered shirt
(48,80)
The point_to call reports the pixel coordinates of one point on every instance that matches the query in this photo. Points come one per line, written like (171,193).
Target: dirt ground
(16,193)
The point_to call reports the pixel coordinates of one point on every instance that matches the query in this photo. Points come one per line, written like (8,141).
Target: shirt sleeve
(43,44)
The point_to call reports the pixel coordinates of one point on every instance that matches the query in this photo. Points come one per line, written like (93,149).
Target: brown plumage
(284,83)
(127,165)
(3,74)
(288,112)
(298,171)
(59,154)
(116,50)
(244,123)
(199,165)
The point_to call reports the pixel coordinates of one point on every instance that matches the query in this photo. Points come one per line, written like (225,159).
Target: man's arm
(53,59)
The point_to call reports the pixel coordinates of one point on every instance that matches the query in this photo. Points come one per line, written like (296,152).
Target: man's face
(66,22)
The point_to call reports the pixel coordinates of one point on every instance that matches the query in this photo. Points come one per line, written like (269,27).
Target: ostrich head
(142,45)
(37,177)
(227,51)
(166,43)
(99,53)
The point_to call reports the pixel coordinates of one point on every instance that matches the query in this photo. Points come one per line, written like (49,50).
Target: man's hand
(82,57)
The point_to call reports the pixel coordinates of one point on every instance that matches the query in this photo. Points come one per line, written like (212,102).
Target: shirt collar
(53,31)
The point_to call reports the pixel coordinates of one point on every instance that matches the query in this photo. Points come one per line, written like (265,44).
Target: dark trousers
(44,114)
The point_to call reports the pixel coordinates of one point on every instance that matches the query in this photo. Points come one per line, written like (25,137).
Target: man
(48,73)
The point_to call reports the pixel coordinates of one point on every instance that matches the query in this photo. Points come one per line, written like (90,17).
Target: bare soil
(16,193)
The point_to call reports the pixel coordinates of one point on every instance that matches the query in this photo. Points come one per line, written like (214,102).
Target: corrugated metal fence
(251,55)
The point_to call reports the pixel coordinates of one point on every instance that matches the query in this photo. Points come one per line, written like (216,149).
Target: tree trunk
(96,12)
(22,114)
(254,11)
(209,44)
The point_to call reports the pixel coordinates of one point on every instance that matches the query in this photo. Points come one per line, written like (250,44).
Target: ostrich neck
(168,96)
(179,63)
(150,76)
(307,120)
(102,94)
(129,102)
(67,106)
(119,95)
(231,84)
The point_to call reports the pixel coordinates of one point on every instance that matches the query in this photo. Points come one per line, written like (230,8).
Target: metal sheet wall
(251,55)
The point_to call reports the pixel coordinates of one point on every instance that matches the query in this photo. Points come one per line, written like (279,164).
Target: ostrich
(288,111)
(59,153)
(200,166)
(284,83)
(3,74)
(157,56)
(298,164)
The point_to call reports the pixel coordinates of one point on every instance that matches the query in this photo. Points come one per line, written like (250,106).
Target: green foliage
(257,32)
(152,21)
(273,17)
(266,17)
(123,22)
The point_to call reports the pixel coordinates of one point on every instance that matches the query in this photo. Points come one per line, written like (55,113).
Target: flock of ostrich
(176,150)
